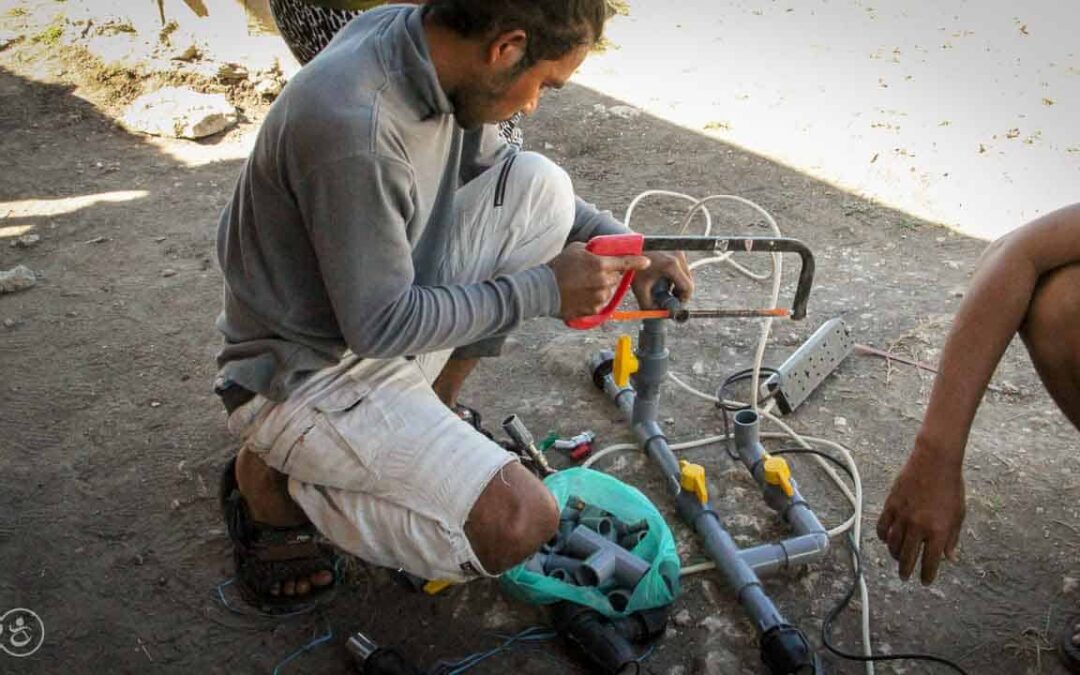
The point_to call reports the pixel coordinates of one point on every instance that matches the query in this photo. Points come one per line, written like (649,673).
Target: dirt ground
(112,442)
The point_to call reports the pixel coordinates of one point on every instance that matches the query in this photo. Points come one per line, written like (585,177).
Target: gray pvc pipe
(619,599)
(597,568)
(561,562)
(629,568)
(771,558)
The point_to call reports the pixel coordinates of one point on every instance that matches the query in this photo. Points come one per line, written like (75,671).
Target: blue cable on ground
(534,634)
(315,642)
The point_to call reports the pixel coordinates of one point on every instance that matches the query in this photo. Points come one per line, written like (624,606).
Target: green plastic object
(659,586)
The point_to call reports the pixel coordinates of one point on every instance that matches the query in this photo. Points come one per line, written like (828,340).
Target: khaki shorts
(381,467)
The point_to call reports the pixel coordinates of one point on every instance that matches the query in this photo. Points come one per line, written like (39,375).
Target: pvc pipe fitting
(563,576)
(602,525)
(629,568)
(561,562)
(597,568)
(633,539)
(619,599)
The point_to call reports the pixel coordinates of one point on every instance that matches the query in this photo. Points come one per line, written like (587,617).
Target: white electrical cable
(854,523)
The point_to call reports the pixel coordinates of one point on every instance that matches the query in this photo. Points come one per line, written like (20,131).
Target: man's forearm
(991,314)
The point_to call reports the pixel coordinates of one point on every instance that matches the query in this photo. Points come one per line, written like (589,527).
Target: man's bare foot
(266,493)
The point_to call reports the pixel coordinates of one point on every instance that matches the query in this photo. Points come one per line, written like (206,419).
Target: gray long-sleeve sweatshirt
(338,213)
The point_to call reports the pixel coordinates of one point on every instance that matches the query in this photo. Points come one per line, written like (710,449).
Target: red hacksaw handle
(612,245)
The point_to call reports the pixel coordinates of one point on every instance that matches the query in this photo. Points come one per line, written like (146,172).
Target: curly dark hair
(553,27)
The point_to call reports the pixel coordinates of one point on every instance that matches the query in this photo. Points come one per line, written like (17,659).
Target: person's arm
(925,508)
(485,147)
(366,264)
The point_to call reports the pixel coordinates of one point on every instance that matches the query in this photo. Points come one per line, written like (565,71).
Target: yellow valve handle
(777,472)
(626,364)
(692,479)
(437,586)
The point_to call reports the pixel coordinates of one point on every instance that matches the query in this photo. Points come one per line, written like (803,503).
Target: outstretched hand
(670,265)
(923,513)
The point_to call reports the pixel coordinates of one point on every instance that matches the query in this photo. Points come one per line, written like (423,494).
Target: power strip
(811,363)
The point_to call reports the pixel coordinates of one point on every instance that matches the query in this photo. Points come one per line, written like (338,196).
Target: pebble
(681,618)
(19,278)
(10,323)
(26,241)
(1069,585)
(718,662)
(155,404)
(716,624)
(168,272)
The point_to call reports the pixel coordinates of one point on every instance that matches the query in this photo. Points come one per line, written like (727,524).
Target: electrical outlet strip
(811,363)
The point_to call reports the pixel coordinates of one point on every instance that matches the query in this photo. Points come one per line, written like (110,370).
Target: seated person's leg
(388,473)
(515,216)
(1051,332)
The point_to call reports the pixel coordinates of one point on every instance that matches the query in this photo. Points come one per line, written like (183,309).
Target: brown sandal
(257,575)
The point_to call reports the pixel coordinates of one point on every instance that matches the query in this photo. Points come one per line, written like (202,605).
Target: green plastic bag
(659,587)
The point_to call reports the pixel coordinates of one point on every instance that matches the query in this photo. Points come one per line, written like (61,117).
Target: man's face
(498,94)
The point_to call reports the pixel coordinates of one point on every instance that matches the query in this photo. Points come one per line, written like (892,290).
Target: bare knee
(1051,328)
(513,517)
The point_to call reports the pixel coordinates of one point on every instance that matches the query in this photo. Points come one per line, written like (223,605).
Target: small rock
(181,113)
(169,272)
(716,624)
(182,48)
(937,592)
(96,240)
(231,73)
(681,618)
(26,241)
(17,279)
(698,368)
(677,670)
(175,504)
(1069,585)
(840,422)
(548,146)
(10,323)
(718,661)
(624,112)
(159,239)
(155,404)
(269,87)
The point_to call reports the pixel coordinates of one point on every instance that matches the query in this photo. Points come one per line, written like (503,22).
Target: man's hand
(925,509)
(665,265)
(587,281)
